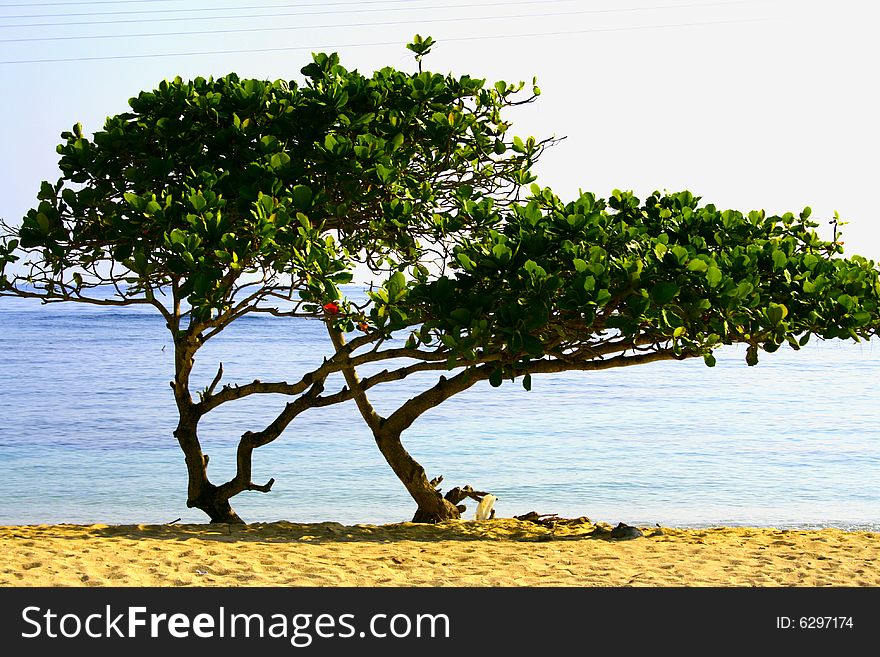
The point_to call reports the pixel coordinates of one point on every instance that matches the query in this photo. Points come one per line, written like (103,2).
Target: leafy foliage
(206,179)
(575,280)
(215,198)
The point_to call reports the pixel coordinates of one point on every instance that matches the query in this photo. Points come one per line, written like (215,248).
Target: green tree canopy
(595,284)
(554,279)
(214,198)
(206,180)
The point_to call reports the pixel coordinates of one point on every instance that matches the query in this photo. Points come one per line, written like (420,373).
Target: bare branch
(265,488)
(216,380)
(252,440)
(52,297)
(368,412)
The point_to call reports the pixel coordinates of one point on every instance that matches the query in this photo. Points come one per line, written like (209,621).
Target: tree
(595,284)
(213,199)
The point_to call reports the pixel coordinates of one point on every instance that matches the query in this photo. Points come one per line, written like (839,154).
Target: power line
(379,43)
(273,15)
(319,13)
(308,27)
(241,8)
(94,2)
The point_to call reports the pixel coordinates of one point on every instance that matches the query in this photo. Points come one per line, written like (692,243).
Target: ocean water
(86,420)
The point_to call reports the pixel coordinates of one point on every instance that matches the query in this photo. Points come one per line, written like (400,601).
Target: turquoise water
(86,416)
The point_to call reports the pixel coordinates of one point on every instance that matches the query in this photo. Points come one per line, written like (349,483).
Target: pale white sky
(764,104)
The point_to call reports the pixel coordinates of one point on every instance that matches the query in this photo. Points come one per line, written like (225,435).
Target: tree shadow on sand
(535,529)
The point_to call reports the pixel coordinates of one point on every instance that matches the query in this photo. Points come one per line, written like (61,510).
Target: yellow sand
(498,552)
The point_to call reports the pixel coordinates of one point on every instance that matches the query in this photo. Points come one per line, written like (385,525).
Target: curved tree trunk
(433,507)
(201,493)
(217,507)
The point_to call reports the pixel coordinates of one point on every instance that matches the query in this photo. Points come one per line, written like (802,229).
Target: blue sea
(86,420)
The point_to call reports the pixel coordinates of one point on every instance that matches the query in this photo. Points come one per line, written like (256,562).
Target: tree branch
(368,412)
(216,380)
(50,297)
(445,388)
(252,440)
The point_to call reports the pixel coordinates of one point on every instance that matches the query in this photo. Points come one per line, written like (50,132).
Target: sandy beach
(498,552)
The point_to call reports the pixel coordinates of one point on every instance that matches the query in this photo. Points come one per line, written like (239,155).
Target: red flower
(331,308)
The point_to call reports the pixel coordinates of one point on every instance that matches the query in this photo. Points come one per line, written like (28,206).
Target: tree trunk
(217,507)
(432,506)
(201,493)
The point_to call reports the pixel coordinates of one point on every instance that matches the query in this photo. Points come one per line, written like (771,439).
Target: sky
(769,104)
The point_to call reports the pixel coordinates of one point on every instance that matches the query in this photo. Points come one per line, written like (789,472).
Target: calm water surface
(86,416)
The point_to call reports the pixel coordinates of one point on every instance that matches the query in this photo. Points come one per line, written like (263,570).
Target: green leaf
(269,143)
(534,269)
(279,160)
(663,293)
(744,289)
(134,201)
(502,253)
(465,261)
(680,253)
(302,197)
(862,318)
(495,377)
(698,265)
(752,355)
(395,285)
(713,276)
(527,381)
(198,202)
(780,260)
(709,359)
(140,262)
(385,174)
(846,301)
(177,236)
(776,312)
(580,265)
